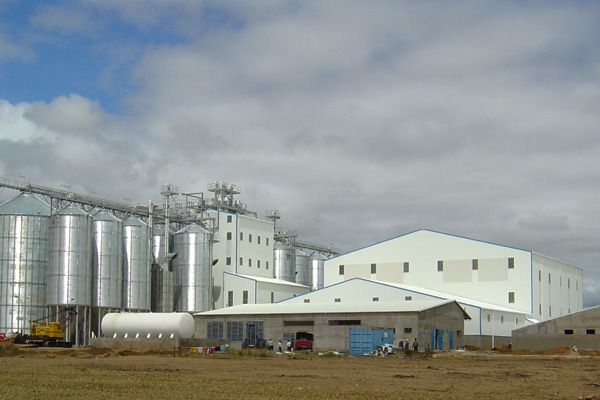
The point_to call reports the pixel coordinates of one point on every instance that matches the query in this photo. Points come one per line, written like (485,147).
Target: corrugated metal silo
(69,292)
(192,269)
(284,262)
(317,271)
(302,268)
(108,261)
(24,223)
(137,267)
(158,240)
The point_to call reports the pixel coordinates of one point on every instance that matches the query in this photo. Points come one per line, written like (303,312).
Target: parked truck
(304,341)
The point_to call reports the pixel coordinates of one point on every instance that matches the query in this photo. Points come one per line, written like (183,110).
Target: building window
(241,236)
(502,319)
(511,263)
(229,218)
(540,276)
(228,235)
(375,298)
(517,321)
(549,278)
(257,263)
(249,262)
(560,281)
(307,300)
(250,238)
(245,297)
(407,330)
(341,270)
(540,310)
(569,283)
(337,300)
(258,239)
(228,262)
(344,322)
(406,267)
(511,297)
(489,318)
(458,333)
(230,298)
(241,260)
(288,337)
(549,311)
(272,297)
(267,241)
(568,331)
(475,264)
(373,268)
(235,331)
(407,298)
(440,266)
(266,265)
(299,323)
(590,331)
(214,330)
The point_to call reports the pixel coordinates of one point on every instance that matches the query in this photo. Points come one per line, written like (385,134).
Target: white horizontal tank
(148,325)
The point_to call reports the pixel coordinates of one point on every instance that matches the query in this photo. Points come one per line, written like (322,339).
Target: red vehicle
(304,341)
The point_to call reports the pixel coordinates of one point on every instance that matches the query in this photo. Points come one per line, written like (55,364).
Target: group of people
(405,345)
(271,346)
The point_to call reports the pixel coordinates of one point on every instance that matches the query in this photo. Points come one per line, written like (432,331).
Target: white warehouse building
(501,285)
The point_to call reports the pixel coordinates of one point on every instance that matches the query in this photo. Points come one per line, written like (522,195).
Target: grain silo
(137,268)
(316,271)
(301,268)
(192,269)
(69,294)
(283,258)
(24,223)
(107,287)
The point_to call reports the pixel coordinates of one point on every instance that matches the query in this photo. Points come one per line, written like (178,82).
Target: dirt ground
(471,374)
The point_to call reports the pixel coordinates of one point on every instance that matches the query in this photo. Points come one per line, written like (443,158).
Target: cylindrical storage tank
(283,262)
(316,271)
(192,269)
(302,268)
(158,243)
(163,289)
(148,325)
(69,291)
(107,233)
(24,241)
(137,273)
(70,270)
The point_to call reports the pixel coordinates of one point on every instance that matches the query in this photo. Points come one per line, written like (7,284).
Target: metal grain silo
(69,292)
(283,257)
(107,233)
(192,269)
(301,268)
(316,271)
(24,223)
(158,243)
(137,267)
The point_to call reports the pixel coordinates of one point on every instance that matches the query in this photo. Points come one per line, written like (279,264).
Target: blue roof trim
(431,231)
(239,276)
(314,291)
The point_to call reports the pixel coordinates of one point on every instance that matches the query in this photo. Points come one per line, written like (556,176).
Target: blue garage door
(365,340)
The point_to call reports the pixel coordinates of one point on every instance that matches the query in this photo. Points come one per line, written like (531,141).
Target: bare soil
(85,373)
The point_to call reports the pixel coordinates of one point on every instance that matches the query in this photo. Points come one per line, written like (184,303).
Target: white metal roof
(320,308)
(267,280)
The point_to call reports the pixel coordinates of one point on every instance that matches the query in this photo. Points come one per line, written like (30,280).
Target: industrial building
(74,258)
(506,284)
(579,329)
(341,326)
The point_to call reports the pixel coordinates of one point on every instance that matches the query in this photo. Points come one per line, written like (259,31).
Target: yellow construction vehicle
(46,334)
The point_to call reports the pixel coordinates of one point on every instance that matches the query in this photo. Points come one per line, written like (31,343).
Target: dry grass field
(105,374)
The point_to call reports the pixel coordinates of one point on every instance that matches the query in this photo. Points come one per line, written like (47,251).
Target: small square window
(375,298)
(337,300)
(511,263)
(440,266)
(475,264)
(228,261)
(373,268)
(406,267)
(307,300)
(590,331)
(407,298)
(511,297)
(341,270)
(228,235)
(229,218)
(407,330)
(568,331)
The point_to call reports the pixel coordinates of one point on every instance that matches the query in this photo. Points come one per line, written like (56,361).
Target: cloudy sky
(358,120)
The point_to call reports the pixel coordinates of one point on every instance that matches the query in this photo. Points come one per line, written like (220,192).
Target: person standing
(279,346)
(415,345)
(289,346)
(270,345)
